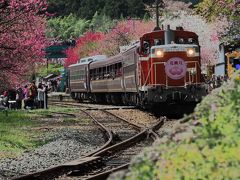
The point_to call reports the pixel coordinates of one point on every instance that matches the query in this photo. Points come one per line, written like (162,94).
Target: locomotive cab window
(180,41)
(146,47)
(158,42)
(192,41)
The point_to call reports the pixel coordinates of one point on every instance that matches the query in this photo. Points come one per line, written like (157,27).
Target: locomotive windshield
(181,40)
(146,47)
(158,42)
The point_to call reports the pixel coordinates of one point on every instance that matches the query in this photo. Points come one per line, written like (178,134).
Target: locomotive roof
(177,32)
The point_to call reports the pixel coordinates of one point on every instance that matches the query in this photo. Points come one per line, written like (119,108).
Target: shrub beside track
(211,152)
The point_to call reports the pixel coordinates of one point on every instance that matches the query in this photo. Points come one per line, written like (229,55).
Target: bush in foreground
(211,152)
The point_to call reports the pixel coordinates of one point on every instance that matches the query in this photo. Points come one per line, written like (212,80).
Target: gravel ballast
(66,145)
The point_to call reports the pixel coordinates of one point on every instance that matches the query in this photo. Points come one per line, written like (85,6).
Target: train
(163,67)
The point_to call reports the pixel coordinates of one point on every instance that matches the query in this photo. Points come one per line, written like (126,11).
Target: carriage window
(106,75)
(119,70)
(91,74)
(108,72)
(100,73)
(104,72)
(112,70)
(97,73)
(94,74)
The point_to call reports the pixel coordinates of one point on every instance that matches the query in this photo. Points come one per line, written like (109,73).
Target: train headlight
(159,52)
(190,52)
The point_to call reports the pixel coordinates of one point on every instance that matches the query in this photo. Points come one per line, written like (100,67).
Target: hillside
(114,9)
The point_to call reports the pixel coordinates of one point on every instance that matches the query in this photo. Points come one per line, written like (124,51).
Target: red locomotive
(164,68)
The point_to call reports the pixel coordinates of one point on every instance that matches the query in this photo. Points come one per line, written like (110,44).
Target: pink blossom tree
(125,33)
(22,37)
(85,46)
(93,43)
(213,10)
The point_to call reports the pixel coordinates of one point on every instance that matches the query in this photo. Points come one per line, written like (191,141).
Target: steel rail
(110,151)
(89,107)
(53,171)
(82,163)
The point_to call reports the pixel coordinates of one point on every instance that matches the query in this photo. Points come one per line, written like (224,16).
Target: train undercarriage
(162,101)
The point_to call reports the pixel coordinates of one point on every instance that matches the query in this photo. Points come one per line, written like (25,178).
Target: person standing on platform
(40,96)
(19,96)
(46,96)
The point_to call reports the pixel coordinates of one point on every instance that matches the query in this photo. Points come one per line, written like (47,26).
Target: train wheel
(133,100)
(94,98)
(144,105)
(80,100)
(116,99)
(108,98)
(138,102)
(143,102)
(72,95)
(80,97)
(102,98)
(124,99)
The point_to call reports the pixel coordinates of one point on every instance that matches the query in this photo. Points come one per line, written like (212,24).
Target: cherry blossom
(22,37)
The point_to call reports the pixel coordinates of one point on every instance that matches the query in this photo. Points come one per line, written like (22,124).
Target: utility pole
(157,16)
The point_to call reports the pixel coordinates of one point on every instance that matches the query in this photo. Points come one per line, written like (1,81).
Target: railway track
(90,106)
(120,128)
(124,141)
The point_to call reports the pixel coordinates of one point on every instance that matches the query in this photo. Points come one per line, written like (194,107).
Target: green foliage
(86,9)
(51,69)
(146,17)
(72,27)
(18,133)
(136,9)
(213,151)
(67,27)
(101,23)
(113,9)
(13,136)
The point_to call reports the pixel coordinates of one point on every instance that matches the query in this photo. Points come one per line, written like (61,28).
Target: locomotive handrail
(148,75)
